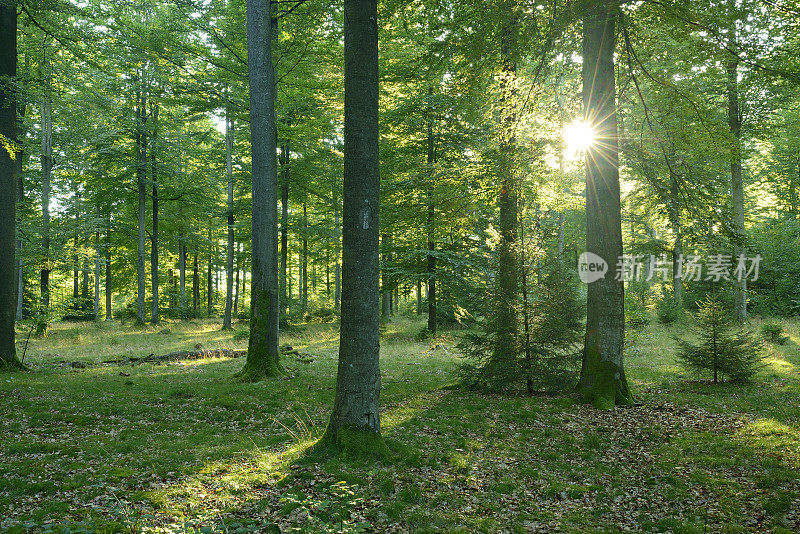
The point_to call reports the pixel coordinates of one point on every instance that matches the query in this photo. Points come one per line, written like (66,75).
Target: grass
(181,447)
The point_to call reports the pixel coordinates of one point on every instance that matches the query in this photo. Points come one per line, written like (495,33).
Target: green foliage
(669,309)
(773,332)
(724,349)
(636,312)
(548,357)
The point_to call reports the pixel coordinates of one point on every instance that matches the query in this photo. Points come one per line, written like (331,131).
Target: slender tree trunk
(141,179)
(603,379)
(431,223)
(737,186)
(8,185)
(386,292)
(284,296)
(419,297)
(109,310)
(97,276)
(677,248)
(154,313)
(182,270)
(337,272)
(210,273)
(262,353)
(238,273)
(304,263)
(20,163)
(355,422)
(196,283)
(47,166)
(226,322)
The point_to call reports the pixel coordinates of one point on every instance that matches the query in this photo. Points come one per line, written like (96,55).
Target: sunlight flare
(578,137)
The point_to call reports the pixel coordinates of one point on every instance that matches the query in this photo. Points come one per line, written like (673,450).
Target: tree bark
(47,166)
(196,283)
(262,354)
(8,185)
(337,270)
(109,311)
(386,291)
(304,263)
(20,199)
(141,180)
(603,381)
(354,425)
(154,313)
(677,248)
(182,274)
(431,223)
(226,321)
(737,186)
(284,296)
(210,273)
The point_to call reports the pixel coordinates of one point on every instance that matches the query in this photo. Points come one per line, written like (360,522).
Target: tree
(8,183)
(602,380)
(720,350)
(262,353)
(355,422)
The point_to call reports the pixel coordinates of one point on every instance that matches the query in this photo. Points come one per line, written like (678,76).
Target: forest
(399,266)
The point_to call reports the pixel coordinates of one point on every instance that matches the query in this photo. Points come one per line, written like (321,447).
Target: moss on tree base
(351,441)
(603,383)
(251,372)
(11,365)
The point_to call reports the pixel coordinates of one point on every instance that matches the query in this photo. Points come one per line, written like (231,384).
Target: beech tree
(8,183)
(262,353)
(355,422)
(602,380)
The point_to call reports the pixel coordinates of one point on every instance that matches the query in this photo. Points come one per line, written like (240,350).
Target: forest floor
(180,447)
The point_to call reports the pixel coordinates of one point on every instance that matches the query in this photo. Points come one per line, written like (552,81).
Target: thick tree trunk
(737,186)
(603,379)
(262,353)
(284,296)
(355,422)
(141,180)
(226,321)
(506,346)
(8,185)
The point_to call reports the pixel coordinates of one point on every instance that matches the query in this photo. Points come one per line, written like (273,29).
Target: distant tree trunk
(506,317)
(304,263)
(603,379)
(141,180)
(737,186)
(226,322)
(419,297)
(677,248)
(154,314)
(386,292)
(284,296)
(262,353)
(8,185)
(236,294)
(97,276)
(196,283)
(182,269)
(431,224)
(355,422)
(337,273)
(210,272)
(47,167)
(20,200)
(109,311)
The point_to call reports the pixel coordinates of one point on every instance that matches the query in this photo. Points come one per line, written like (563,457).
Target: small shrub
(722,349)
(773,332)
(636,313)
(669,309)
(320,315)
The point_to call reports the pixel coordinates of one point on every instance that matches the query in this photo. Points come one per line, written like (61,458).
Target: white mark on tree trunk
(365,216)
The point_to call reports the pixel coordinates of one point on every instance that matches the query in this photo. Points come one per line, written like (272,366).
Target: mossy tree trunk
(602,380)
(262,353)
(8,186)
(354,426)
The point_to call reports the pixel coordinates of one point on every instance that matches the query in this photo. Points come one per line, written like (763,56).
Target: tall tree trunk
(47,167)
(262,353)
(304,263)
(355,422)
(337,271)
(109,310)
(20,163)
(431,222)
(210,272)
(284,296)
(154,313)
(226,321)
(238,273)
(504,353)
(141,180)
(603,379)
(677,248)
(737,186)
(8,185)
(97,276)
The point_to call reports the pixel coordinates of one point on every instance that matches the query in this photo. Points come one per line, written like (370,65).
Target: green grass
(181,447)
